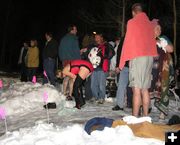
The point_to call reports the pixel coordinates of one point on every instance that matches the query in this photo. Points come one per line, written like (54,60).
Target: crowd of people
(141,61)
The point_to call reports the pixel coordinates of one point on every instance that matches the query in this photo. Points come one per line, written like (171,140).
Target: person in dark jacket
(69,50)
(49,58)
(123,80)
(23,62)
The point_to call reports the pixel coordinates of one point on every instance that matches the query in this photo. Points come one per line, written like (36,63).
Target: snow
(49,134)
(27,120)
(24,97)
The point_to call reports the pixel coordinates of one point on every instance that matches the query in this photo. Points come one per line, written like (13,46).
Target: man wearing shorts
(139,48)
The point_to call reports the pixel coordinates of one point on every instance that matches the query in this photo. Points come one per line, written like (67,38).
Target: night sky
(26,19)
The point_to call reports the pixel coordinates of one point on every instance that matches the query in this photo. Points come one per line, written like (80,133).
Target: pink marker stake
(1,84)
(45,99)
(45,74)
(34,80)
(3,117)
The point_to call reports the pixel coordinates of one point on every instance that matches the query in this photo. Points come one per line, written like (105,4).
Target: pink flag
(34,79)
(45,74)
(1,84)
(2,113)
(45,97)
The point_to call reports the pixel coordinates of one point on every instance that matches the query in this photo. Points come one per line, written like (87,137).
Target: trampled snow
(26,119)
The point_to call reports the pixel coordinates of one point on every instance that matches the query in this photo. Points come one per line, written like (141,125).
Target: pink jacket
(139,40)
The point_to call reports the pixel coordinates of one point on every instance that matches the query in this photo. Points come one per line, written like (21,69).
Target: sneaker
(92,100)
(116,108)
(69,98)
(100,101)
(77,106)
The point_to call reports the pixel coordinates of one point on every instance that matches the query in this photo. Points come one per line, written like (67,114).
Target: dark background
(22,20)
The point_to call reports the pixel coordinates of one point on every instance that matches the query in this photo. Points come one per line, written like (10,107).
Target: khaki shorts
(140,70)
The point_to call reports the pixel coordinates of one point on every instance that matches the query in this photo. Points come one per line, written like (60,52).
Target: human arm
(66,72)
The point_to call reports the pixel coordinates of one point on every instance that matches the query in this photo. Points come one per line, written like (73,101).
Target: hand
(117,70)
(83,50)
(73,76)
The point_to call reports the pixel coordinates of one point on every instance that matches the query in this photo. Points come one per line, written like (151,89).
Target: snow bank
(22,98)
(48,134)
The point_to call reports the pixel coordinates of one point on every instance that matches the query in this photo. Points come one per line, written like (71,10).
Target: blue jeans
(98,84)
(49,67)
(122,84)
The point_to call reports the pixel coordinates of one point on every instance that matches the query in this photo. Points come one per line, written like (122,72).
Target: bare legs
(136,101)
(146,101)
(140,96)
(67,81)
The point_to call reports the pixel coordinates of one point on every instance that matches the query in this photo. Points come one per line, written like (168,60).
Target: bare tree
(112,16)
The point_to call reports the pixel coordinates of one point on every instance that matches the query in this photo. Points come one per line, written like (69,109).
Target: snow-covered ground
(27,119)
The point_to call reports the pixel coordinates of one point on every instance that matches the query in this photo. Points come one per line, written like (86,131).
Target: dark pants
(129,97)
(31,73)
(23,73)
(88,92)
(77,91)
(49,67)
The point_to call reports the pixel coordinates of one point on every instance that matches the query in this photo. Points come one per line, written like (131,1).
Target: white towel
(134,120)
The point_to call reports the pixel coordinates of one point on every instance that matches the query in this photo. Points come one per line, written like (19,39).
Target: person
(87,42)
(49,58)
(69,50)
(122,82)
(143,129)
(162,70)
(114,58)
(139,47)
(78,70)
(23,62)
(32,59)
(99,57)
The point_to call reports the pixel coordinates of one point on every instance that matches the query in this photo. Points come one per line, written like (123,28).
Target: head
(157,30)
(157,27)
(48,36)
(72,29)
(136,9)
(33,43)
(59,74)
(117,40)
(99,39)
(25,44)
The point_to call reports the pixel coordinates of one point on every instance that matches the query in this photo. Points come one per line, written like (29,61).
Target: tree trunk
(123,18)
(175,22)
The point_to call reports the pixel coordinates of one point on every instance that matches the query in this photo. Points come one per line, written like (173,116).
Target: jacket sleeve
(109,51)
